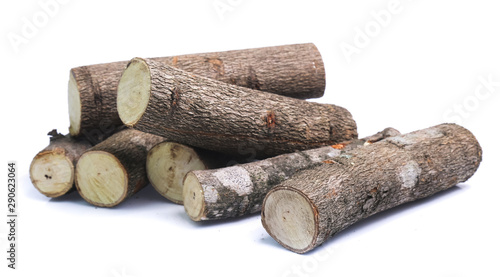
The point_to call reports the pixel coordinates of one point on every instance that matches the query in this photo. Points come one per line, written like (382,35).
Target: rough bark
(92,101)
(168,163)
(307,209)
(239,190)
(291,70)
(205,113)
(115,169)
(52,169)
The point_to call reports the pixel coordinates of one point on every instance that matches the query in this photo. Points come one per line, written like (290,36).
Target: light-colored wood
(291,70)
(239,190)
(115,169)
(102,179)
(216,116)
(135,90)
(366,181)
(52,172)
(167,165)
(292,218)
(74,106)
(194,197)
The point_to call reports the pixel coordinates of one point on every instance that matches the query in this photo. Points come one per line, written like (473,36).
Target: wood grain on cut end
(52,169)
(167,164)
(216,116)
(74,106)
(239,190)
(101,179)
(134,90)
(52,173)
(290,218)
(194,199)
(371,179)
(290,70)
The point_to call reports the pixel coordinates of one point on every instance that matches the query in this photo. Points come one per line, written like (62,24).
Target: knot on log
(270,120)
(216,65)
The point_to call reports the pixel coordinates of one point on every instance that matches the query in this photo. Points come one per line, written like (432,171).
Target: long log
(52,170)
(291,70)
(168,163)
(114,169)
(208,114)
(239,190)
(312,206)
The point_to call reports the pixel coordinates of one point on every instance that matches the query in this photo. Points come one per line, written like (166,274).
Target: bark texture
(239,190)
(368,180)
(291,70)
(204,113)
(96,86)
(130,148)
(52,169)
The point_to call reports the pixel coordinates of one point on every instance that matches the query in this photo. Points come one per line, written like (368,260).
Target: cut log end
(74,106)
(51,172)
(194,199)
(167,164)
(134,90)
(291,219)
(101,179)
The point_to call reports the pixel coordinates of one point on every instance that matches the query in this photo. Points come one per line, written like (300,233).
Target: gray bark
(240,189)
(204,113)
(291,70)
(368,180)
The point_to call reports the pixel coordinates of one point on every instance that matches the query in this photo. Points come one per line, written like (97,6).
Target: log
(168,163)
(208,114)
(239,190)
(291,70)
(114,169)
(312,206)
(52,170)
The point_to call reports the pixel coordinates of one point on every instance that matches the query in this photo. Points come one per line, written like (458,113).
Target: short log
(312,206)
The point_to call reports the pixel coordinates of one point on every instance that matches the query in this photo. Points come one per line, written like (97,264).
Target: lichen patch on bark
(236,179)
(374,178)
(409,174)
(210,193)
(412,138)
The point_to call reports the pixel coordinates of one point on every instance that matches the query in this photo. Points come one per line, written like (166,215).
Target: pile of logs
(229,134)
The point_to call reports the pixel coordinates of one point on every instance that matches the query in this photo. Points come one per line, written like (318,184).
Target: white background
(427,60)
